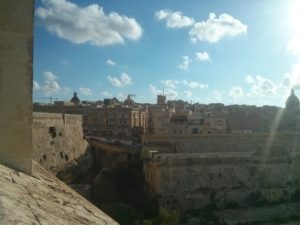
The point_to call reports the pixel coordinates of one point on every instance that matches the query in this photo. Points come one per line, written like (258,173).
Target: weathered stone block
(16,31)
(15,48)
(16,16)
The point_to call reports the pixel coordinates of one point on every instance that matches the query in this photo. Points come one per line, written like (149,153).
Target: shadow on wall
(78,167)
(59,145)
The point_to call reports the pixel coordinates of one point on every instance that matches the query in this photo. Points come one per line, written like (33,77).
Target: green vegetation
(125,198)
(164,217)
(256,199)
(231,205)
(296,196)
(121,212)
(201,216)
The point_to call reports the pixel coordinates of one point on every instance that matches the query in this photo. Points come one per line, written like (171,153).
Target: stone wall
(225,142)
(16,30)
(193,180)
(58,141)
(112,155)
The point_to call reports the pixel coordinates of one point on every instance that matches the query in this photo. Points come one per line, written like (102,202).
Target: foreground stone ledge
(43,199)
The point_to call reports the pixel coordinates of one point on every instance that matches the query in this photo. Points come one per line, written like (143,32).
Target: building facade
(117,122)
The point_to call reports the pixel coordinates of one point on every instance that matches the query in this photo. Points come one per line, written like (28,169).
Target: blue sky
(234,52)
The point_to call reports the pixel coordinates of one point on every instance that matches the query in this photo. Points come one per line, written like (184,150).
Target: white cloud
(170,83)
(249,79)
(169,92)
(51,85)
(85,91)
(122,95)
(174,83)
(49,76)
(216,28)
(154,90)
(261,86)
(188,94)
(110,62)
(194,84)
(292,79)
(114,81)
(124,80)
(106,94)
(86,24)
(294,45)
(174,19)
(218,95)
(235,92)
(171,87)
(67,91)
(185,63)
(36,86)
(202,56)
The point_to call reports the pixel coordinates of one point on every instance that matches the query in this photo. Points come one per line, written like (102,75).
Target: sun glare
(294,26)
(294,16)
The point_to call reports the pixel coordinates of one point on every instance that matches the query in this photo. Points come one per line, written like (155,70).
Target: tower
(292,103)
(161,100)
(75,100)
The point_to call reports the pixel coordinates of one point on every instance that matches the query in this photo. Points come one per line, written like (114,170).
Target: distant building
(179,117)
(292,103)
(111,102)
(161,100)
(219,155)
(289,119)
(129,101)
(117,122)
(75,100)
(73,106)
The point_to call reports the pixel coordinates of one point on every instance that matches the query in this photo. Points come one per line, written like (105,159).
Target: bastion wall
(226,170)
(232,142)
(230,179)
(58,141)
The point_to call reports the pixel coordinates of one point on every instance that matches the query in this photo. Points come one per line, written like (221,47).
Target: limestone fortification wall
(234,142)
(16,38)
(57,140)
(108,154)
(191,181)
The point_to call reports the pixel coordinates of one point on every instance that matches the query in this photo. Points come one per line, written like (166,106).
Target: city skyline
(229,52)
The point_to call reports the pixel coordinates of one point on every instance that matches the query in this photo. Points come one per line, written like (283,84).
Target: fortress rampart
(58,140)
(191,181)
(232,142)
(224,170)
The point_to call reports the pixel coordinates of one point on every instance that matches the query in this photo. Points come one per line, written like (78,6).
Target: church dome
(292,103)
(129,101)
(75,100)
